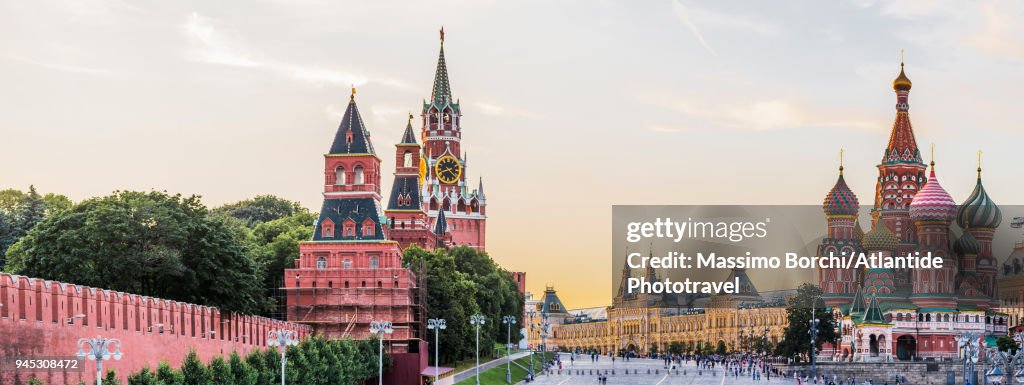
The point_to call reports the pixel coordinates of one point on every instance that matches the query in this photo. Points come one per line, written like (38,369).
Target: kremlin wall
(46,318)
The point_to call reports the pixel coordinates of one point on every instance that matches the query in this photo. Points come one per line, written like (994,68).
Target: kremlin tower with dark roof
(912,313)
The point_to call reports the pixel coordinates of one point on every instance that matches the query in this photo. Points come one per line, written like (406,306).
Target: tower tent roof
(352,136)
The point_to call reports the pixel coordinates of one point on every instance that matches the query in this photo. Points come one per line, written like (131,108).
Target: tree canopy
(21,211)
(461,282)
(148,243)
(797,338)
(260,209)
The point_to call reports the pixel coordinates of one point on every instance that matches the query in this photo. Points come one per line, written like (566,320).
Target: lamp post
(380,328)
(437,325)
(969,349)
(814,322)
(477,320)
(530,314)
(1014,365)
(508,320)
(99,350)
(283,339)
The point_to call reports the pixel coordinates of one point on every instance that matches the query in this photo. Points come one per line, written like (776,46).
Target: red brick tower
(406,213)
(444,165)
(351,273)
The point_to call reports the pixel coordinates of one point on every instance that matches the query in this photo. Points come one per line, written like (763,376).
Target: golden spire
(979,164)
(933,157)
(840,161)
(353,96)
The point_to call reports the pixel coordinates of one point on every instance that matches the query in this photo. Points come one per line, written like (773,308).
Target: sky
(569,107)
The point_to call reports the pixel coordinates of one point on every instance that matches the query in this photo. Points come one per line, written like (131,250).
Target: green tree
(675,347)
(56,203)
(274,247)
(111,378)
(797,338)
(166,375)
(241,372)
(720,347)
(219,372)
(142,377)
(193,371)
(260,209)
(31,211)
(1007,344)
(451,295)
(151,243)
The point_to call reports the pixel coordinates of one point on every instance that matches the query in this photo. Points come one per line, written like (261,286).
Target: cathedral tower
(901,173)
(838,285)
(443,167)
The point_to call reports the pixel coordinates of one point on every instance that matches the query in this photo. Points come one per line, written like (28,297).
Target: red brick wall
(34,315)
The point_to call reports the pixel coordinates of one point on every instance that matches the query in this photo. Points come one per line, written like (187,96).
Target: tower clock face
(448,169)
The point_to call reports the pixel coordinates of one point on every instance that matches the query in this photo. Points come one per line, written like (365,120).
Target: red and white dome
(932,202)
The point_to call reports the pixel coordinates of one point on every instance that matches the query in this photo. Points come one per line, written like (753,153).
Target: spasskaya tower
(443,166)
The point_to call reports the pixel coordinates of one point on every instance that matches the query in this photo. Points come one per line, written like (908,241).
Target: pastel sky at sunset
(570,107)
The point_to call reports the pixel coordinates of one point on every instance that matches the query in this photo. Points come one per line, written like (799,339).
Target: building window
(358,177)
(321,263)
(339,175)
(407,159)
(347,264)
(368,229)
(374,262)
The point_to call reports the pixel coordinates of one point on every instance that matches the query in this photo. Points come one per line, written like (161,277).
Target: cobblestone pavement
(645,372)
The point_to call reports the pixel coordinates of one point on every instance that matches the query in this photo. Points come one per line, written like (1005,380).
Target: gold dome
(902,82)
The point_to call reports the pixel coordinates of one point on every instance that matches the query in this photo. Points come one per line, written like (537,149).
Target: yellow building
(642,323)
(1011,286)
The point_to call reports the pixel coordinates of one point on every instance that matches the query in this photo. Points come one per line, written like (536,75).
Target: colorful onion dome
(880,238)
(841,200)
(978,211)
(932,202)
(902,82)
(967,245)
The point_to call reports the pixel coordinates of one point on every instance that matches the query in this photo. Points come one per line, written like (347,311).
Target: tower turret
(932,212)
(841,206)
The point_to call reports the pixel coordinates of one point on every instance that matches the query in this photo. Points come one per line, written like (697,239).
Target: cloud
(1001,31)
(684,17)
(496,110)
(211,43)
(690,16)
(60,66)
(772,114)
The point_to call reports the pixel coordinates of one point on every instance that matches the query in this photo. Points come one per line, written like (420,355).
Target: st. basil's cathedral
(351,272)
(910,314)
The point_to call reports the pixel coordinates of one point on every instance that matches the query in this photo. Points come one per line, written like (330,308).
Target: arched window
(407,159)
(358,177)
(346,284)
(339,176)
(380,284)
(321,263)
(347,264)
(374,262)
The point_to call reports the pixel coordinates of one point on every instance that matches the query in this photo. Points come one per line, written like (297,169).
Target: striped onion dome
(932,202)
(978,211)
(967,245)
(880,238)
(841,200)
